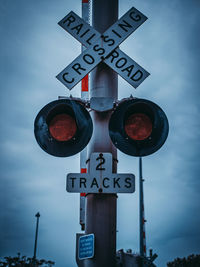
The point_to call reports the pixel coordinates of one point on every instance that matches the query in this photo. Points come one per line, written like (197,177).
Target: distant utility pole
(142,219)
(37,215)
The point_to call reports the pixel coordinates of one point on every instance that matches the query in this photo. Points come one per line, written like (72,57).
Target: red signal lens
(138,126)
(63,127)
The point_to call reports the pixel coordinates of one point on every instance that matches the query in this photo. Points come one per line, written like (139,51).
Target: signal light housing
(138,127)
(63,127)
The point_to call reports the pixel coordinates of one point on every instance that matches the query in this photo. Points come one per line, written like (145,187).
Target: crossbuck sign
(102,47)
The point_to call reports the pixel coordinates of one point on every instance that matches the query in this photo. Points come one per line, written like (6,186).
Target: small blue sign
(86,247)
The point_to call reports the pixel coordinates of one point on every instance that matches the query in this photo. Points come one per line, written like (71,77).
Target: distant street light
(37,215)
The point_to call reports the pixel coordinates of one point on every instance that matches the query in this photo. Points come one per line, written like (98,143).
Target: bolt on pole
(101,208)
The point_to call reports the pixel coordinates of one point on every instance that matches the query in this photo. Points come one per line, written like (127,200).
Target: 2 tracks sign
(100,178)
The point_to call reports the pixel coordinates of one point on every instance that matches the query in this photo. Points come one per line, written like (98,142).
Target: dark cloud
(33,50)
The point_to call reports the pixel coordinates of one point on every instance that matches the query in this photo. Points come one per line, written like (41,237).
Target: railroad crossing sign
(100,178)
(103,47)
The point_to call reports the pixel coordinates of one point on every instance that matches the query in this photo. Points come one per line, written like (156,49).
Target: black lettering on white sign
(100,178)
(101,45)
(102,161)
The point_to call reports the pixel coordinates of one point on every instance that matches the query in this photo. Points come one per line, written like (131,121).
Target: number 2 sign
(100,178)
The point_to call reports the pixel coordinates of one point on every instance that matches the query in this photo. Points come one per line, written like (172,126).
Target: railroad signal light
(63,127)
(138,127)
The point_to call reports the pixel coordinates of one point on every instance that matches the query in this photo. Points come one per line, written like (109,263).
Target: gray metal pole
(85,96)
(141,215)
(101,208)
(36,236)
(141,207)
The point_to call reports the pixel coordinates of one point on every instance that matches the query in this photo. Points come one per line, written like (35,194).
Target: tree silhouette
(25,262)
(190,261)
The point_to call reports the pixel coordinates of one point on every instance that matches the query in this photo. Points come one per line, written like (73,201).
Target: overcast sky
(33,50)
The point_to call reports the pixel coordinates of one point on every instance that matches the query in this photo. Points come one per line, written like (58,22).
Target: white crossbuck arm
(103,47)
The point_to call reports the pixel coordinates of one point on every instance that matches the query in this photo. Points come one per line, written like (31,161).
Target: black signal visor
(63,127)
(138,127)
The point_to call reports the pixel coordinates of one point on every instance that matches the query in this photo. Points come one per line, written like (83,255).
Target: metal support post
(85,96)
(36,236)
(142,219)
(101,208)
